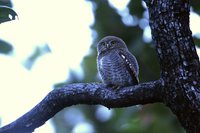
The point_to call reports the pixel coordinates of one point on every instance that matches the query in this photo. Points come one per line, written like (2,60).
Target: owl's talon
(114,87)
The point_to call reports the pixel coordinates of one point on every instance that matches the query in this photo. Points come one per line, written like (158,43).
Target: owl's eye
(113,42)
(102,43)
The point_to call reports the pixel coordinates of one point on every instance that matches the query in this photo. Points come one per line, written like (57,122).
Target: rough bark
(178,87)
(84,93)
(180,69)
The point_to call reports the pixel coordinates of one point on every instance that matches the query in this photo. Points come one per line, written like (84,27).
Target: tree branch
(85,93)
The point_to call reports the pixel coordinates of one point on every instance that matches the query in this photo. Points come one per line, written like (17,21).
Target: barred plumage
(116,65)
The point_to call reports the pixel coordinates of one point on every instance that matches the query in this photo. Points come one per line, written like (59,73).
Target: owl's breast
(113,70)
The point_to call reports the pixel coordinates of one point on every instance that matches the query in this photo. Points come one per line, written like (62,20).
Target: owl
(115,64)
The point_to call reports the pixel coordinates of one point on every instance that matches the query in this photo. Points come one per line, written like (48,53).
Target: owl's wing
(131,64)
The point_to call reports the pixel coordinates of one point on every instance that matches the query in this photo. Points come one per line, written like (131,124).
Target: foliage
(6,14)
(5,48)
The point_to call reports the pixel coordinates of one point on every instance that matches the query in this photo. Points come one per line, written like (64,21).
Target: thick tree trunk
(178,87)
(180,68)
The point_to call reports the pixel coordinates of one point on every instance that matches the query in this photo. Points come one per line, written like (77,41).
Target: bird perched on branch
(116,65)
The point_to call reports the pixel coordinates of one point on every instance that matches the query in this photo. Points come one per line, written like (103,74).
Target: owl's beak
(107,45)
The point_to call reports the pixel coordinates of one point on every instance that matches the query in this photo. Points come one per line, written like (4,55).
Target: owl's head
(109,43)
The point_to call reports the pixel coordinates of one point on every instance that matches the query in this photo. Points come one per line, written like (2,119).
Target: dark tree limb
(84,93)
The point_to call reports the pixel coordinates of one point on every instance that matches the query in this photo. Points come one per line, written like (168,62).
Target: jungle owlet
(116,65)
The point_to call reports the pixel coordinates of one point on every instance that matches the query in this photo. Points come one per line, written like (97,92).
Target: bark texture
(84,93)
(178,87)
(180,69)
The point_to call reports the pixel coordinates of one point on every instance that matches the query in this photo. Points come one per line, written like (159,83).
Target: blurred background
(54,43)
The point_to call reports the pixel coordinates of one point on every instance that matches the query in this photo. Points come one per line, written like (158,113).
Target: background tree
(149,118)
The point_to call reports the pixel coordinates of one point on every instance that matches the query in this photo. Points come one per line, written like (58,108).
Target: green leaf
(195,6)
(7,14)
(197,41)
(5,47)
